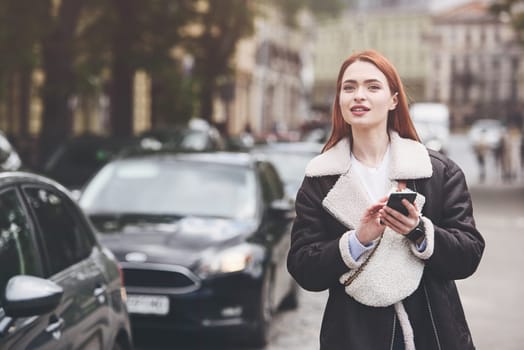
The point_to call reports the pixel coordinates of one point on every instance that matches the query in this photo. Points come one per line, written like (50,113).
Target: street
(492,297)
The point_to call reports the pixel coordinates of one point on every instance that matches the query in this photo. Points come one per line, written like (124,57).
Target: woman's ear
(394,101)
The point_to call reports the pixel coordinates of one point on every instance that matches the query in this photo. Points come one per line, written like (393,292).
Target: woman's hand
(399,222)
(370,227)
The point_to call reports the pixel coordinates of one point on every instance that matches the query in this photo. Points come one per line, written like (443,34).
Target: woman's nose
(359,94)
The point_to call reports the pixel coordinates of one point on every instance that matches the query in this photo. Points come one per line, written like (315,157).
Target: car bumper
(229,302)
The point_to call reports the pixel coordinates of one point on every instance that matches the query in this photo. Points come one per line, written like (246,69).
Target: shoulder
(334,161)
(442,163)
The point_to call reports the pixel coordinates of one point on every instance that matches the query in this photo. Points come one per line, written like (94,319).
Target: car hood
(181,242)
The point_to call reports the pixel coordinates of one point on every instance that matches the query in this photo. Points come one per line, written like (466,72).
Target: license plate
(148,304)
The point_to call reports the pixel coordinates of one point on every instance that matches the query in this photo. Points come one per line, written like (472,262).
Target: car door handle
(55,328)
(100,294)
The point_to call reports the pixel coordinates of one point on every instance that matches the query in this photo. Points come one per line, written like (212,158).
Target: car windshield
(291,166)
(182,188)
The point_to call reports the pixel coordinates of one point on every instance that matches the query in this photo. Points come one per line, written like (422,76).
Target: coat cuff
(345,243)
(430,241)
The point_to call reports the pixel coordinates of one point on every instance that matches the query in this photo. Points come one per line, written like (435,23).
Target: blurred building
(396,28)
(272,78)
(475,64)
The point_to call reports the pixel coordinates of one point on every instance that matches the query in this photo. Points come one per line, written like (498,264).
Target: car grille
(158,276)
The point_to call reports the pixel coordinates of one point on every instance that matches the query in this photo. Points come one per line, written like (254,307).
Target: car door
(277,228)
(68,251)
(19,255)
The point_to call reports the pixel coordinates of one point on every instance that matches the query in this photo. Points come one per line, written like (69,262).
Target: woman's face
(365,98)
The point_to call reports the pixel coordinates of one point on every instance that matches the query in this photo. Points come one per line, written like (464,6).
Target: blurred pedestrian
(481,149)
(511,157)
(390,276)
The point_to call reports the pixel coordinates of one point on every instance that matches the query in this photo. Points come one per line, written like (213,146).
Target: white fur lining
(343,246)
(430,241)
(409,338)
(409,160)
(391,274)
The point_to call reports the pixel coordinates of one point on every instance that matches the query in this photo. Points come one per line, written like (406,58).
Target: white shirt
(375,180)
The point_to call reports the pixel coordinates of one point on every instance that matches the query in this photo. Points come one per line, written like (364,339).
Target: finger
(412,209)
(393,224)
(398,216)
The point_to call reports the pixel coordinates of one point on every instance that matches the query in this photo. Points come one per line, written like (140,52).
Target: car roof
(13,177)
(225,158)
(291,147)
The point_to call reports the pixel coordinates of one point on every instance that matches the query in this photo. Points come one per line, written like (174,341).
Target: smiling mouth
(359,109)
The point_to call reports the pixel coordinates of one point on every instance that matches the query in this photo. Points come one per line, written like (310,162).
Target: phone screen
(395,201)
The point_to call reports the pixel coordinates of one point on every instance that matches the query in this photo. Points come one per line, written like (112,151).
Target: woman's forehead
(361,71)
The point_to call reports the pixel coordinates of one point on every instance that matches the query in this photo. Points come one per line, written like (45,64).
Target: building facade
(476,64)
(273,76)
(397,29)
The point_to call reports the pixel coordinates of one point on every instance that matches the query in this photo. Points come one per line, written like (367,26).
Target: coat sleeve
(314,259)
(458,245)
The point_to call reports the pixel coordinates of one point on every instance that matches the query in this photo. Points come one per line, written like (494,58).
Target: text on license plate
(148,304)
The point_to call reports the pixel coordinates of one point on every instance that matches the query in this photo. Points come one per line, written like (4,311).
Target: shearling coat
(417,289)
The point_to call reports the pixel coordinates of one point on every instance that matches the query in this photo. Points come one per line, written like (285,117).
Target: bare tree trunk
(122,69)
(58,55)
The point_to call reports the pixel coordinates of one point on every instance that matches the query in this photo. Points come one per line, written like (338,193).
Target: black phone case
(395,201)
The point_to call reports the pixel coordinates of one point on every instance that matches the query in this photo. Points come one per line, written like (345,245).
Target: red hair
(399,119)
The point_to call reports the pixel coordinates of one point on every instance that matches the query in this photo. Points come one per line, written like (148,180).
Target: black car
(78,158)
(59,289)
(290,160)
(196,136)
(202,239)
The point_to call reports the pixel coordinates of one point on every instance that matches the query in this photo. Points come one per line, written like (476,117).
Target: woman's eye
(374,87)
(348,88)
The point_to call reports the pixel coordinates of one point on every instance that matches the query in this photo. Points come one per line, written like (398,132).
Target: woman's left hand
(399,222)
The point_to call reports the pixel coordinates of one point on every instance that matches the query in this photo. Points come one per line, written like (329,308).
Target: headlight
(244,257)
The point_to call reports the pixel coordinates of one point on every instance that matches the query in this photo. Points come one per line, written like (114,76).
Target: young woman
(390,276)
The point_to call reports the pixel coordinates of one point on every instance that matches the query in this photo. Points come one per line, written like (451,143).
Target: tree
(20,31)
(58,55)
(222,24)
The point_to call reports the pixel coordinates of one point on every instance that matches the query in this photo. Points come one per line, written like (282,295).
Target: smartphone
(395,201)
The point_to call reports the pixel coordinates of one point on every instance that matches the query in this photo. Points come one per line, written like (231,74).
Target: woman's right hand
(370,227)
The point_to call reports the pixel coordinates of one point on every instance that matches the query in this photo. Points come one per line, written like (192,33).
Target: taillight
(123,293)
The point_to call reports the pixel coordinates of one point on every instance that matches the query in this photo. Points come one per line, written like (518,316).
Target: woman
(390,276)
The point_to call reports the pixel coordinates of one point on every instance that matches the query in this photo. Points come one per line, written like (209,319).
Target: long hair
(399,119)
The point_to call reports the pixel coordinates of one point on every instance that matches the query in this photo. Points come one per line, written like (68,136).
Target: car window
(65,237)
(181,188)
(272,187)
(18,254)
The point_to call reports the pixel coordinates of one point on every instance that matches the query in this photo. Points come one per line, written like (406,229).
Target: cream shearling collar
(409,160)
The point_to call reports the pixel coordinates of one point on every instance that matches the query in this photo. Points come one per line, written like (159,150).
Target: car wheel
(260,334)
(117,346)
(290,302)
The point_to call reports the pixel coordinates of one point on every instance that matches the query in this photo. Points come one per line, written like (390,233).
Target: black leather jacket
(434,309)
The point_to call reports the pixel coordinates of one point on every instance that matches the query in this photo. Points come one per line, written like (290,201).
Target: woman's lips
(359,110)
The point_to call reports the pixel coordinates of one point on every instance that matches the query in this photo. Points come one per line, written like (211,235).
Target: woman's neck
(369,147)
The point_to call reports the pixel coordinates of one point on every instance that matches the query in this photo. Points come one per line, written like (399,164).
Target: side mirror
(283,207)
(27,296)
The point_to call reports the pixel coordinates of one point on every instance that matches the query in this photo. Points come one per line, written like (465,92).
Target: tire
(260,334)
(117,346)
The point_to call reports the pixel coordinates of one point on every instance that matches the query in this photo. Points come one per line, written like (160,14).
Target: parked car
(202,239)
(59,289)
(290,160)
(78,158)
(432,123)
(197,136)
(9,158)
(487,133)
